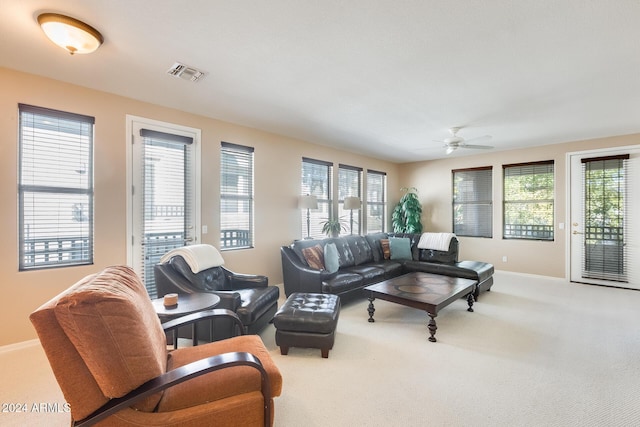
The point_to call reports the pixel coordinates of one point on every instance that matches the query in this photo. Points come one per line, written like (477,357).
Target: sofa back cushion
(374,240)
(360,249)
(113,326)
(211,279)
(345,256)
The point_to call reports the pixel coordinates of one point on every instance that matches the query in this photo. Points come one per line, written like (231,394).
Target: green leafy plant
(406,215)
(332,227)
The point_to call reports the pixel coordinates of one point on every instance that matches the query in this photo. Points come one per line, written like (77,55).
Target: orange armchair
(108,351)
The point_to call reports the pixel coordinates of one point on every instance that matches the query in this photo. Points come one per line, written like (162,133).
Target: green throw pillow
(331,262)
(400,247)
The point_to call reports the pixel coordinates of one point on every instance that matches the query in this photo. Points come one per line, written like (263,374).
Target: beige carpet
(536,352)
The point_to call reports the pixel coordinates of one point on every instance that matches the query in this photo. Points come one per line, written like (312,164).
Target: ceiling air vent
(185,72)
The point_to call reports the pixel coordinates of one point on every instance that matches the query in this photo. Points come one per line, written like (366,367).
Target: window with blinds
(528,201)
(55,188)
(316,181)
(605,234)
(236,196)
(472,202)
(349,185)
(376,203)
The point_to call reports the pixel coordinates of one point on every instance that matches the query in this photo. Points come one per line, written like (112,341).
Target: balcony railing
(528,231)
(42,252)
(235,239)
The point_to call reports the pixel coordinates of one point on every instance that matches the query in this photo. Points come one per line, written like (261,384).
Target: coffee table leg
(432,327)
(371,310)
(470,301)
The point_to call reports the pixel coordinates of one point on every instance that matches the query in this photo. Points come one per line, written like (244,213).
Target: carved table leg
(432,327)
(470,301)
(371,310)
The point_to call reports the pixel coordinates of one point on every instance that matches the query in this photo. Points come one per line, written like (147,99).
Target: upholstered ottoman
(307,320)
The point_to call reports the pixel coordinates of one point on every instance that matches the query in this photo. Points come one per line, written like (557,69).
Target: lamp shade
(351,203)
(308,202)
(70,34)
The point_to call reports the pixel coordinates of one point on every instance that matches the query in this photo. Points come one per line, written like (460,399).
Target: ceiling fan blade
(450,149)
(478,147)
(477,139)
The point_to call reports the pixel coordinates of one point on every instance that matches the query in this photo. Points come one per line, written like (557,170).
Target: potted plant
(332,227)
(406,215)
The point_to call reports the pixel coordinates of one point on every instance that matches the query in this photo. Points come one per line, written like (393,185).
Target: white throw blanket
(199,257)
(435,241)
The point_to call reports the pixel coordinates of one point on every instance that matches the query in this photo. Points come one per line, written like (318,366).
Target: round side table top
(187,304)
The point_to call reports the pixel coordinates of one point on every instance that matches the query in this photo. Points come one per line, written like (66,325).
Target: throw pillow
(400,248)
(331,260)
(314,257)
(386,252)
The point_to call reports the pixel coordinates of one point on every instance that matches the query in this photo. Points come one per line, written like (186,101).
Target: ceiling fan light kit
(454,141)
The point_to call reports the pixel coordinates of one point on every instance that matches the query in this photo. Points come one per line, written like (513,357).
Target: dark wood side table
(187,304)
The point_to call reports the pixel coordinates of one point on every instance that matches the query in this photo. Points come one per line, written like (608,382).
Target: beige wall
(433,180)
(277,184)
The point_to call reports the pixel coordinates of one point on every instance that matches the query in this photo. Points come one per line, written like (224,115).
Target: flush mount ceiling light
(70,34)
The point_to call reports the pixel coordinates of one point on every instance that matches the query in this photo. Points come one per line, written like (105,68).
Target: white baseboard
(19,345)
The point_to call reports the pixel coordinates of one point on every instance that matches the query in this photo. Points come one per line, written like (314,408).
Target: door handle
(577,232)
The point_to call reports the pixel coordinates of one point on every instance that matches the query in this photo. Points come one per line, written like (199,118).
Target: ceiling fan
(454,142)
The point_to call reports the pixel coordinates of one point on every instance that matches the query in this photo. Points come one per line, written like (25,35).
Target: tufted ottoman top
(305,312)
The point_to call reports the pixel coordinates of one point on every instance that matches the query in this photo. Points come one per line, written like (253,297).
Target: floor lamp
(351,204)
(308,202)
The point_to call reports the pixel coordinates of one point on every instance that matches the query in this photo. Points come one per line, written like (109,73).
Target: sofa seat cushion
(477,270)
(342,282)
(369,273)
(474,270)
(391,268)
(255,302)
(228,382)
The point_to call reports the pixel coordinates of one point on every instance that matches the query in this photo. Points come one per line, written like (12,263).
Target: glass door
(163,197)
(604,219)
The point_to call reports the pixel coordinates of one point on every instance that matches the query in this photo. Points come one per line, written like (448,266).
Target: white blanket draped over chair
(199,257)
(435,241)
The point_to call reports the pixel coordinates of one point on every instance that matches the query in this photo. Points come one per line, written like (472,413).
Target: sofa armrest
(244,281)
(298,277)
(180,375)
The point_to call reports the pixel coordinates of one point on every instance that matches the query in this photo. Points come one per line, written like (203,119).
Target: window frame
(370,203)
(66,248)
(487,202)
(237,239)
(345,215)
(325,204)
(540,232)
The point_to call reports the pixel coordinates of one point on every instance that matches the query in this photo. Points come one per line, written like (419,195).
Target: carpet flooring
(536,352)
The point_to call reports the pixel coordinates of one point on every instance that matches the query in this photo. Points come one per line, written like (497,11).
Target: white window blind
(376,203)
(528,202)
(55,188)
(605,234)
(236,196)
(316,181)
(349,185)
(472,202)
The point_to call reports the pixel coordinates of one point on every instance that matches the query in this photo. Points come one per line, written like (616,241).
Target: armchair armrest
(244,281)
(190,319)
(182,374)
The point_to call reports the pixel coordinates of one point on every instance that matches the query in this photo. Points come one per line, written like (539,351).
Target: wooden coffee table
(424,291)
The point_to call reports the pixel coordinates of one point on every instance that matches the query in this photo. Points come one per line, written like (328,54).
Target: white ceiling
(380,77)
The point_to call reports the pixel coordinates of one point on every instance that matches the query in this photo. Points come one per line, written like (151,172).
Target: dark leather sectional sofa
(362,263)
